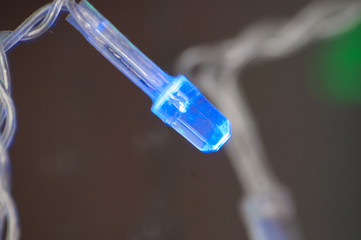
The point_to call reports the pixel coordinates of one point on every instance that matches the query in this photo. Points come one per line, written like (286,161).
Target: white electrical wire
(219,66)
(8,209)
(267,207)
(270,39)
(36,25)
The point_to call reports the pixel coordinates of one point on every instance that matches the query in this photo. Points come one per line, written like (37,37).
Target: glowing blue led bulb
(175,99)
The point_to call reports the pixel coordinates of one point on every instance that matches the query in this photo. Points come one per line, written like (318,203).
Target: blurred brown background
(90,161)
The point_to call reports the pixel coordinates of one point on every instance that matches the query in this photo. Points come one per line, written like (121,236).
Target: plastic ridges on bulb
(175,99)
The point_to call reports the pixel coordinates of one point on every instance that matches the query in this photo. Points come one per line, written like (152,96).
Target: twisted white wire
(36,25)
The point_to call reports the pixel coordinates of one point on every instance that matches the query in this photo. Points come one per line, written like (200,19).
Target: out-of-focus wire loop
(267,207)
(217,66)
(270,39)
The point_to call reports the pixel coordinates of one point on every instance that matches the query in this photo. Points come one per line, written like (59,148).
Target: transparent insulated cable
(176,101)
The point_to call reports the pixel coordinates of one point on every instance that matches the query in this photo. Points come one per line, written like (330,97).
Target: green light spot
(337,69)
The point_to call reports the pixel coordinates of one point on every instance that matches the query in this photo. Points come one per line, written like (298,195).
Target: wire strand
(34,26)
(217,69)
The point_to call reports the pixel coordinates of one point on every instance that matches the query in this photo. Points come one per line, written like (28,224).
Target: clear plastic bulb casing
(175,99)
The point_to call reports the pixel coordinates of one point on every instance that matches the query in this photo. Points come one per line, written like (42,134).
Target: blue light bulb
(175,99)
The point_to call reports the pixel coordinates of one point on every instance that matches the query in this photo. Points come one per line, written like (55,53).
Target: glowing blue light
(175,99)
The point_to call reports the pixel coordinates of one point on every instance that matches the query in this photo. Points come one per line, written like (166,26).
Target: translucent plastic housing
(114,46)
(175,99)
(182,106)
